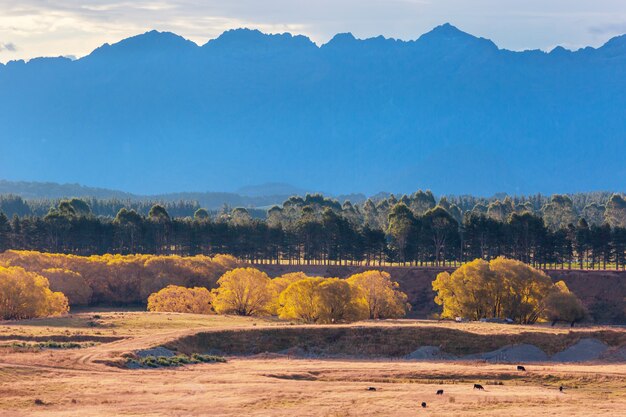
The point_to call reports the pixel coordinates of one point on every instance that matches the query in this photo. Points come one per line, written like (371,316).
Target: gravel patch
(428,353)
(512,353)
(156,352)
(615,355)
(584,350)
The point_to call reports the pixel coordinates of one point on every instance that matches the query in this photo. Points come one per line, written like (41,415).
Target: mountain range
(256,196)
(451,112)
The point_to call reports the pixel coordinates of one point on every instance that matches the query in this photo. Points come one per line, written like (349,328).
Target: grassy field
(62,382)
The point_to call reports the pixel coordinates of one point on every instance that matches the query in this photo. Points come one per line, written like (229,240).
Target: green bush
(173,361)
(50,344)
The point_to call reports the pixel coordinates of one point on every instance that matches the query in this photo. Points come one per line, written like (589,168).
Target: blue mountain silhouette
(449,111)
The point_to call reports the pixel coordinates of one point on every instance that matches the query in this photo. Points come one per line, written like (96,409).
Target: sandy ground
(77,382)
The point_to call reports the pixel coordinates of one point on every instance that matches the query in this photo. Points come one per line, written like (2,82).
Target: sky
(32,28)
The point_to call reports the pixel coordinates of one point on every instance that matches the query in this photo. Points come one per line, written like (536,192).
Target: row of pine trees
(412,230)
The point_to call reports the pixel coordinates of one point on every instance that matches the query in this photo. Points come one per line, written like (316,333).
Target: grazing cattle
(561,388)
(423,405)
(478,386)
(371,388)
(520,368)
(439,392)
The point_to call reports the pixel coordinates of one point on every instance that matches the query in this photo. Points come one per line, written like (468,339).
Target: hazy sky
(30,28)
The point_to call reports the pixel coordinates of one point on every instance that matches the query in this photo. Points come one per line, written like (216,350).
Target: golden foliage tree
(70,283)
(280,284)
(178,299)
(381,295)
(322,300)
(502,288)
(524,289)
(122,278)
(340,302)
(300,301)
(563,305)
(465,292)
(26,295)
(243,291)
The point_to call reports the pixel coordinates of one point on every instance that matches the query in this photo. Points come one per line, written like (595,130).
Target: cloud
(9,46)
(610,28)
(62,27)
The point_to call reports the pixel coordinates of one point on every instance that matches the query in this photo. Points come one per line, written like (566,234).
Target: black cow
(561,388)
(478,386)
(520,368)
(371,388)
(439,392)
(423,405)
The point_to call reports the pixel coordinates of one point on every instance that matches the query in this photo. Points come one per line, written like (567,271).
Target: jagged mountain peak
(149,42)
(449,111)
(252,38)
(615,46)
(447,35)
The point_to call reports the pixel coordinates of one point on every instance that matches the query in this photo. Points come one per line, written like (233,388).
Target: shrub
(173,361)
(26,295)
(50,344)
(181,300)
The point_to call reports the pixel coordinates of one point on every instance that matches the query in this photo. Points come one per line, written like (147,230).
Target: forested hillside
(106,202)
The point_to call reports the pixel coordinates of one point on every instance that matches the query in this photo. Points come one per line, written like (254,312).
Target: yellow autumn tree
(280,284)
(322,300)
(70,283)
(380,294)
(118,279)
(300,301)
(562,305)
(245,292)
(501,288)
(467,292)
(26,295)
(178,299)
(340,302)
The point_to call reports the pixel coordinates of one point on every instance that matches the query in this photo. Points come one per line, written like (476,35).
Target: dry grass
(73,382)
(98,323)
(274,387)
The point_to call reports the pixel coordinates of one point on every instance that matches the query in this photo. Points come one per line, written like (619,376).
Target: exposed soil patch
(387,342)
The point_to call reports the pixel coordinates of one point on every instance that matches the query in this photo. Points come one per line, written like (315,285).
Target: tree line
(292,296)
(411,230)
(116,279)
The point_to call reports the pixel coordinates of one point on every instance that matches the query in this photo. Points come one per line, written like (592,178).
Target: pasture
(93,380)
